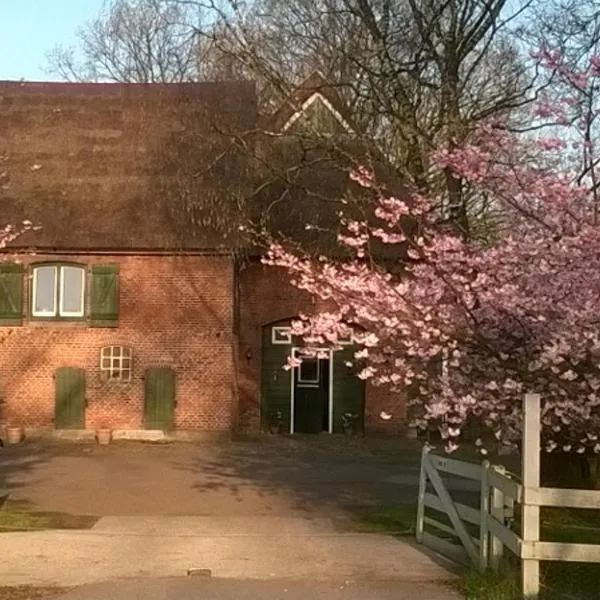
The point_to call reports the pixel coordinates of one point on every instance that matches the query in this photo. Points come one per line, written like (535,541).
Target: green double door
(311,396)
(69,407)
(159,398)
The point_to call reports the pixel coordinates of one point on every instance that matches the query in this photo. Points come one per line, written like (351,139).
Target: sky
(30,28)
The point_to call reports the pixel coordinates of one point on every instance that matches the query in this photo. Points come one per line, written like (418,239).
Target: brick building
(137,305)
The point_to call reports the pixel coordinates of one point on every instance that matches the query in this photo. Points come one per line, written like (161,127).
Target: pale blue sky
(29,28)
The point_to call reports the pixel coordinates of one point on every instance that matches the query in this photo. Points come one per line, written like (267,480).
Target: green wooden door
(311,396)
(69,412)
(276,382)
(159,398)
(348,390)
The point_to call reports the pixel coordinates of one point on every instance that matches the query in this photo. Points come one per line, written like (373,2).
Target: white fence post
(421,497)
(497,510)
(484,507)
(530,456)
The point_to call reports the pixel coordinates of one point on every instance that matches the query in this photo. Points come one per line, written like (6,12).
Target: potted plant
(276,422)
(14,434)
(104,434)
(350,423)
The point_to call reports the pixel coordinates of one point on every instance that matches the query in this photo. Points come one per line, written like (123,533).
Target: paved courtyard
(272,476)
(269,510)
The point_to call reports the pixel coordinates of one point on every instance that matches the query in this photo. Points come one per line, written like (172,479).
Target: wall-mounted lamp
(249,354)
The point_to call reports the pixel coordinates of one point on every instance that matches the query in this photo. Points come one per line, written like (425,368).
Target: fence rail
(562,498)
(498,495)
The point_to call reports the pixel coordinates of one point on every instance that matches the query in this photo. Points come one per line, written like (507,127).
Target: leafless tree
(573,29)
(417,75)
(134,41)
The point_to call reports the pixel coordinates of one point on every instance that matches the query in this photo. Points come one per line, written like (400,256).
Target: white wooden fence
(498,494)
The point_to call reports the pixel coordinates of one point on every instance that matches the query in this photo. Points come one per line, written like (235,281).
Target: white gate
(497,496)
(440,500)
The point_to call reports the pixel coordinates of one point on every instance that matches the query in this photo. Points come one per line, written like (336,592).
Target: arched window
(58,291)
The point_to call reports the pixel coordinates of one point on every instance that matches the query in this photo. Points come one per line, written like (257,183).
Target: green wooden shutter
(159,401)
(104,296)
(69,411)
(11,294)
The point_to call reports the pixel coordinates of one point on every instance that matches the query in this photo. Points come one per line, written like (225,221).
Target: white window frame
(58,297)
(278,330)
(43,313)
(61,311)
(347,341)
(119,353)
(329,354)
(297,353)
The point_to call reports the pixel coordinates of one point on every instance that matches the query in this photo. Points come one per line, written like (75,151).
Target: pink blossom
(517,314)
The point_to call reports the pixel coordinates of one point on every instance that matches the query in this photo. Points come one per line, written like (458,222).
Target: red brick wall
(393,403)
(267,296)
(174,311)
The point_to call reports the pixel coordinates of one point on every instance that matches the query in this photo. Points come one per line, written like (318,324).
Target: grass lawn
(15,517)
(395,520)
(27,592)
(560,580)
(570,580)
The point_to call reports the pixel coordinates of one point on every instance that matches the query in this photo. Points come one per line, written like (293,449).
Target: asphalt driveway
(272,476)
(233,589)
(269,510)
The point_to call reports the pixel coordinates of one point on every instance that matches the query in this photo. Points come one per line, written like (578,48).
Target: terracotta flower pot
(14,435)
(103,436)
(412,433)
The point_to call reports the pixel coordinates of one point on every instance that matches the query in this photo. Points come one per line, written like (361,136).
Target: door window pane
(308,371)
(44,289)
(72,281)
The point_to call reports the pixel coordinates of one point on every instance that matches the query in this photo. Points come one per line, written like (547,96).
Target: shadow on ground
(311,474)
(18,464)
(269,476)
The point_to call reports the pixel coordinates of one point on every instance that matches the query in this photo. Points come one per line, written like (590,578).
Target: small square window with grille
(116,362)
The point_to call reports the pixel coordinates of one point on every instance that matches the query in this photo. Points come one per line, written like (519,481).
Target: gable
(314,102)
(317,115)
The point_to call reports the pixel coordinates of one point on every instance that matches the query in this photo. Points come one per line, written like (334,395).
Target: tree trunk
(571,471)
(590,471)
(457,209)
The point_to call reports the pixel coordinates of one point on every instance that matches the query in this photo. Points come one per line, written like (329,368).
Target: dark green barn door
(159,398)
(348,390)
(69,412)
(311,395)
(275,383)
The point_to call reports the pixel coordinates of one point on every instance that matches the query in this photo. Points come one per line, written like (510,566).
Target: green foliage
(29,592)
(569,581)
(23,520)
(397,519)
(491,586)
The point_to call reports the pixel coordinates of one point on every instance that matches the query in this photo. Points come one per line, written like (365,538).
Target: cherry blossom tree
(10,232)
(518,314)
